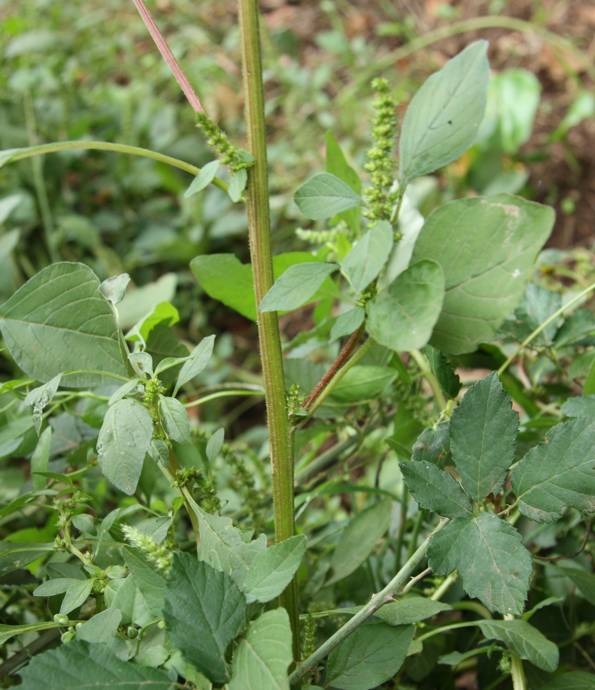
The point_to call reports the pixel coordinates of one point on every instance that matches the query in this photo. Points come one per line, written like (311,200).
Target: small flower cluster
(380,165)
(236,159)
(337,239)
(158,554)
(201,486)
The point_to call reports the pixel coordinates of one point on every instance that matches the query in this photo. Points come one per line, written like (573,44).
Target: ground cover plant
(394,525)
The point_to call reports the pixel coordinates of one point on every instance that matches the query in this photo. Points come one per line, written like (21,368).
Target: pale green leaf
(196,362)
(296,286)
(525,640)
(114,289)
(203,179)
(7,632)
(237,184)
(443,117)
(362,382)
(324,196)
(435,489)
(337,164)
(582,406)
(76,595)
(148,580)
(270,574)
(175,419)
(402,316)
(410,609)
(102,627)
(215,444)
(40,459)
(583,580)
(347,322)
(367,257)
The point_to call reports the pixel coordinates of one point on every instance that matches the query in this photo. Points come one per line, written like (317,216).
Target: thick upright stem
(257,200)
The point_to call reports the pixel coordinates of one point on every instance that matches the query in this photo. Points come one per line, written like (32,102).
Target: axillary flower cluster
(234,158)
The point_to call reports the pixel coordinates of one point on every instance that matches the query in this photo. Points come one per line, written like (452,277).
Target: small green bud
(61,619)
(67,636)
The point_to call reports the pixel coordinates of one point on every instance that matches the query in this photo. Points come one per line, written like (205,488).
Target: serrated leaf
(72,666)
(204,611)
(296,286)
(525,640)
(368,256)
(347,322)
(196,362)
(124,440)
(203,179)
(175,419)
(583,406)
(402,317)
(487,248)
(262,658)
(483,432)
(443,117)
(558,474)
(359,539)
(324,196)
(368,657)
(411,609)
(270,574)
(59,321)
(435,489)
(489,554)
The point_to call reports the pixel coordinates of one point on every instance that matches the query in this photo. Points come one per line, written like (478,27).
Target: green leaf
(368,657)
(434,489)
(362,382)
(483,432)
(347,322)
(7,632)
(51,588)
(324,196)
(237,184)
(204,611)
(59,321)
(203,179)
(76,595)
(359,539)
(583,406)
(402,316)
(75,665)
(175,419)
(148,580)
(337,165)
(124,440)
(444,371)
(296,286)
(443,117)
(102,627)
(433,445)
(262,658)
(559,473)
(575,680)
(525,640)
(196,362)
(270,574)
(215,444)
(489,554)
(410,609)
(39,398)
(40,459)
(487,248)
(367,257)
(584,581)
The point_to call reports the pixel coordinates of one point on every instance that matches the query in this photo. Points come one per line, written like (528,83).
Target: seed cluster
(158,554)
(236,159)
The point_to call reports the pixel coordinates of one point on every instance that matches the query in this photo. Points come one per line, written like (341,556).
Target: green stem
(517,673)
(14,155)
(396,585)
(226,393)
(259,230)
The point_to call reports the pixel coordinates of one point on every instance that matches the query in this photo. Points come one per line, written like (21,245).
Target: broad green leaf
(196,362)
(124,595)
(7,632)
(148,580)
(584,581)
(226,279)
(368,657)
(270,574)
(40,459)
(204,611)
(262,658)
(489,554)
(410,609)
(296,286)
(203,179)
(362,382)
(575,680)
(402,316)
(347,323)
(367,257)
(525,640)
(483,432)
(324,196)
(51,588)
(583,406)
(435,489)
(124,440)
(79,665)
(443,117)
(102,627)
(59,321)
(337,165)
(76,595)
(175,419)
(359,539)
(487,248)
(558,474)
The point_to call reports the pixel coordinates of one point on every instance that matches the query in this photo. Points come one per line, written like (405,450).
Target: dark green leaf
(270,574)
(525,640)
(434,489)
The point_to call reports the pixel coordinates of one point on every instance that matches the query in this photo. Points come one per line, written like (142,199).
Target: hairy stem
(257,201)
(396,585)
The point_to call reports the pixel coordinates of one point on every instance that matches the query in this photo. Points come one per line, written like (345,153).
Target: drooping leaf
(270,574)
(196,362)
(411,609)
(435,489)
(483,432)
(204,611)
(525,640)
(124,440)
(402,316)
(368,657)
(237,184)
(324,196)
(443,117)
(262,658)
(76,595)
(297,285)
(486,247)
(359,539)
(59,321)
(368,255)
(72,666)
(558,474)
(489,554)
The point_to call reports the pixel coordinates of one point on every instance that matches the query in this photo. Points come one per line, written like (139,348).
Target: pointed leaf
(270,574)
(203,179)
(324,196)
(196,362)
(525,640)
(411,609)
(296,286)
(368,255)
(175,419)
(434,489)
